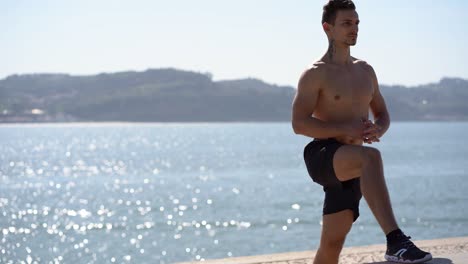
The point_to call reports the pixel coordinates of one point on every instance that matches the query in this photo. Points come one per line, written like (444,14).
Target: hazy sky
(407,42)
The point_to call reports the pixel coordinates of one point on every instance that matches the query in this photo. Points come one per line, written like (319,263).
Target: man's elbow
(297,127)
(383,119)
(383,116)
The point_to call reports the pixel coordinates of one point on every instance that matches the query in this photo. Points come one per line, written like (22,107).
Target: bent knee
(370,154)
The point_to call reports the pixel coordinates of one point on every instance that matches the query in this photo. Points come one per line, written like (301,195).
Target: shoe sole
(398,260)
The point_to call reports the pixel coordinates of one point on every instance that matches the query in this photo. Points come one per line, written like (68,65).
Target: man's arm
(304,104)
(377,105)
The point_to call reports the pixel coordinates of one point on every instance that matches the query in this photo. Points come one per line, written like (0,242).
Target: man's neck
(337,54)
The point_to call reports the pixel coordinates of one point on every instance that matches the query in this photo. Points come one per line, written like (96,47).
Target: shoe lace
(407,242)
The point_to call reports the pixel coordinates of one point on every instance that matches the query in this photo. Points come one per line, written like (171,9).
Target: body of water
(162,193)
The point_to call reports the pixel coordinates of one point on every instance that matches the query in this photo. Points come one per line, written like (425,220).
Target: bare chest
(348,88)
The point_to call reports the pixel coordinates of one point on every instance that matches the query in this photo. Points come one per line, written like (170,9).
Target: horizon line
(210,74)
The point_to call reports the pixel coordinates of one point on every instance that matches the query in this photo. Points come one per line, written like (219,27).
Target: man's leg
(356,161)
(335,227)
(352,161)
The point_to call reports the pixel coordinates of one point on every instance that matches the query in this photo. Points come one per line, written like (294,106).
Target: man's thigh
(348,161)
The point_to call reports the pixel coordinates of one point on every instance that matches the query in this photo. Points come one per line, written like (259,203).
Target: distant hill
(170,95)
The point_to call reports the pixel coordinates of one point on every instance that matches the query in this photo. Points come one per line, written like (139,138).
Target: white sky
(407,42)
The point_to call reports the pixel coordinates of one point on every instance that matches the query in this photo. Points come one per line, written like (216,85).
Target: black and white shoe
(404,251)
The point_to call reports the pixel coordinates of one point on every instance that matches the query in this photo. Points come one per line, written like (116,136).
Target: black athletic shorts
(339,196)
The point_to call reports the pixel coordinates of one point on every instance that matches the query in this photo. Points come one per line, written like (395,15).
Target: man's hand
(371,133)
(363,129)
(354,129)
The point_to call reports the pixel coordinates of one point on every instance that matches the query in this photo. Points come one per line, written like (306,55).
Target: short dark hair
(331,8)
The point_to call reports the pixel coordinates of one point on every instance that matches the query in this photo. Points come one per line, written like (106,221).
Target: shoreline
(444,251)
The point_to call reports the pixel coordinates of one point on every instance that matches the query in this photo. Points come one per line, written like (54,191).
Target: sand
(444,251)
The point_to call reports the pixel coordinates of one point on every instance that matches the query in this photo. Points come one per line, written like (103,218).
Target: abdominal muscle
(349,140)
(336,116)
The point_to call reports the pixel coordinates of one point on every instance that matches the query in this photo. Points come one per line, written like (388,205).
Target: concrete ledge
(444,251)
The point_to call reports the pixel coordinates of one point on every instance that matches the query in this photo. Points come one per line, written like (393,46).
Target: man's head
(340,21)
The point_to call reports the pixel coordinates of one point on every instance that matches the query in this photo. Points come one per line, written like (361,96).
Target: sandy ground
(444,251)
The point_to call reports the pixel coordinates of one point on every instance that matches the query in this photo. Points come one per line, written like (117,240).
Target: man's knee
(332,246)
(370,154)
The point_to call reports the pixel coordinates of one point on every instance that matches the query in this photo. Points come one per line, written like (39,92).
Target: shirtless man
(332,106)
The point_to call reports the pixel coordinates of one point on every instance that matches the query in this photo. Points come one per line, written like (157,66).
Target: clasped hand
(371,132)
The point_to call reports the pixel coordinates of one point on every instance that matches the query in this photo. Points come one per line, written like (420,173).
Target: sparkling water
(162,193)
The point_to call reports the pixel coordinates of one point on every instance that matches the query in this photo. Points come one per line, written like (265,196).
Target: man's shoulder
(313,74)
(362,63)
(317,66)
(316,69)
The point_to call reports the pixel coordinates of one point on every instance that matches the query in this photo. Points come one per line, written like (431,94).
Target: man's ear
(326,27)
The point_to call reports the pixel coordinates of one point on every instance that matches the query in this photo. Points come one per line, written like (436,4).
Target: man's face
(345,29)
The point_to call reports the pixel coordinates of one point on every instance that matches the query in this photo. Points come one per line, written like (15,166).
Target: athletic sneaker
(404,251)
